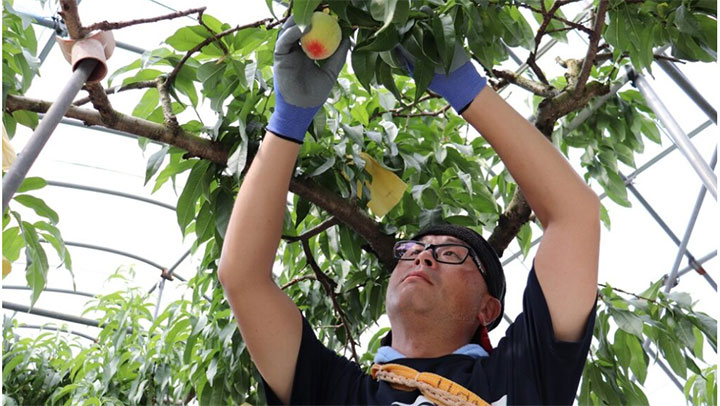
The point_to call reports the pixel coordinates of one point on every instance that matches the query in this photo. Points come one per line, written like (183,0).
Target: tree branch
(115,89)
(168,115)
(329,286)
(107,26)
(332,221)
(69,13)
(592,47)
(527,84)
(196,146)
(298,280)
(101,103)
(268,23)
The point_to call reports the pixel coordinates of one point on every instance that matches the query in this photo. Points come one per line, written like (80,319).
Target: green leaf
(363,64)
(639,360)
(238,159)
(444,33)
(147,104)
(303,10)
(423,74)
(192,191)
(383,11)
(673,355)
(31,183)
(615,188)
(384,41)
(26,118)
(154,162)
(187,38)
(38,206)
(628,322)
(223,209)
(37,262)
(524,237)
(53,235)
(12,242)
(384,75)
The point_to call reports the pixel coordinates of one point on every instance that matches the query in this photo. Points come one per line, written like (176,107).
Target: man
(448,285)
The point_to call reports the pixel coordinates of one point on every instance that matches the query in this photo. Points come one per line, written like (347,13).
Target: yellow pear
(323,38)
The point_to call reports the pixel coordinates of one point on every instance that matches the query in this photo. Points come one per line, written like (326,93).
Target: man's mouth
(419,275)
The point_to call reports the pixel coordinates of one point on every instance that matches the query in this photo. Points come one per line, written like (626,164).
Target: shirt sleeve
(539,368)
(322,376)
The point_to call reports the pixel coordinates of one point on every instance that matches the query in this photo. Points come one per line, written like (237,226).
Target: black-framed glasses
(450,253)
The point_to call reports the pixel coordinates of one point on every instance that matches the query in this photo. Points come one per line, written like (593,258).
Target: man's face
(424,287)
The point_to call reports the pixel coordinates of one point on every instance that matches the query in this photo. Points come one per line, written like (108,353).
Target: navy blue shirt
(528,367)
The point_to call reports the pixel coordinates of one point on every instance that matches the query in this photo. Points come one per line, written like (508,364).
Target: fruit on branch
(323,38)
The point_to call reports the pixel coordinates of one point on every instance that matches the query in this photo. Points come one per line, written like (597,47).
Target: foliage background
(214,331)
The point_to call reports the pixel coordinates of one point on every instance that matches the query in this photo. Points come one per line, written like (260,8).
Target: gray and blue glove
(460,86)
(301,87)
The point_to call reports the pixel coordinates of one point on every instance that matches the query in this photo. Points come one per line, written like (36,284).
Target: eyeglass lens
(448,253)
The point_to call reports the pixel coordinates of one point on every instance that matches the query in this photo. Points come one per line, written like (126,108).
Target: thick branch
(69,13)
(516,214)
(198,147)
(347,213)
(107,26)
(350,215)
(592,47)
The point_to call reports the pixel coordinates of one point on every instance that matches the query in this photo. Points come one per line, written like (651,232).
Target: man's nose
(425,257)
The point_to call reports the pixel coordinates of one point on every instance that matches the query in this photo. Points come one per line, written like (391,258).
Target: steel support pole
(677,135)
(53,315)
(682,81)
(44,130)
(160,292)
(670,281)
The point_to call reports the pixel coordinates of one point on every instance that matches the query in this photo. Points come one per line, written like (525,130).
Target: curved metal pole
(44,130)
(110,192)
(71,292)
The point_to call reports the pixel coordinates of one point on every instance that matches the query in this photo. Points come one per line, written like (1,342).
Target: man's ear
(489,311)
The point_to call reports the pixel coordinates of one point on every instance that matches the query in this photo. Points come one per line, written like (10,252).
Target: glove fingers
(335,63)
(288,38)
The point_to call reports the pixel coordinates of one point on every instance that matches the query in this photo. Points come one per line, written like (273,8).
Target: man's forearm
(550,185)
(256,222)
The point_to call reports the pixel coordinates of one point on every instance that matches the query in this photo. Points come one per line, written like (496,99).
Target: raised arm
(567,259)
(269,321)
(566,263)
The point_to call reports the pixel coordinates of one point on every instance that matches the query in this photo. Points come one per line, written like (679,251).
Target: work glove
(460,86)
(301,87)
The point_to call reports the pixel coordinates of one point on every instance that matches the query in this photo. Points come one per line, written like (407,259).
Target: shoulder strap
(439,389)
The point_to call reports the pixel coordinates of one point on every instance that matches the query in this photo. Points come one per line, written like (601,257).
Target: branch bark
(107,26)
(592,47)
